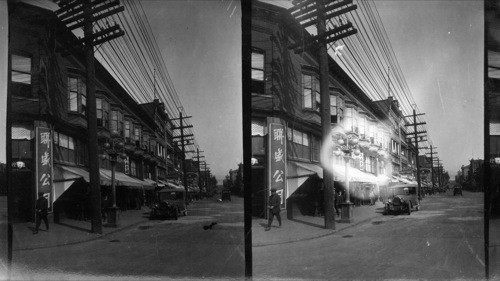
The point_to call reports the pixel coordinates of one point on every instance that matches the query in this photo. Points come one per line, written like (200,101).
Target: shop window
(310,92)
(258,80)
(77,95)
(102,112)
(21,76)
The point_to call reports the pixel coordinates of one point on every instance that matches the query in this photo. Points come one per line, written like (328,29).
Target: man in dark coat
(274,208)
(41,212)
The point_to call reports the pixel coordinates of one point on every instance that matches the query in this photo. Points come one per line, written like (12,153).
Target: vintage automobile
(170,203)
(225,195)
(402,198)
(163,210)
(457,190)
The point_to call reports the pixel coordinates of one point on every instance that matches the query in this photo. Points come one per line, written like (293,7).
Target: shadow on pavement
(307,223)
(75,227)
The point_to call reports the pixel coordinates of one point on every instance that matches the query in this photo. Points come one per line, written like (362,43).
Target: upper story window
(258,79)
(257,66)
(21,76)
(77,95)
(137,134)
(299,144)
(102,112)
(117,122)
(127,130)
(351,120)
(362,127)
(310,92)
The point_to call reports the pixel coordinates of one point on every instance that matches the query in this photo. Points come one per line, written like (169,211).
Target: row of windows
(348,117)
(77,103)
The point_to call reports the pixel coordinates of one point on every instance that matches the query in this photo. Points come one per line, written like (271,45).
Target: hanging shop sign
(277,160)
(44,161)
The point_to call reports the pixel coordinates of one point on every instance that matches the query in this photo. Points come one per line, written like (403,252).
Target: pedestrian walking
(274,208)
(41,208)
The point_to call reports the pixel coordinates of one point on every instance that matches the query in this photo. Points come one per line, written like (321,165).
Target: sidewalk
(302,228)
(69,231)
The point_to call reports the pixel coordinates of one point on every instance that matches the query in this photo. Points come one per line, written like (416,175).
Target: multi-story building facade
(285,97)
(47,93)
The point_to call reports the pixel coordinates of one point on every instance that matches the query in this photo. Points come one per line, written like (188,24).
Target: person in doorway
(274,208)
(41,208)
(338,201)
(372,198)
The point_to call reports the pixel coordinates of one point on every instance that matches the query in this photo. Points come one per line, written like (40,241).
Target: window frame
(80,95)
(314,102)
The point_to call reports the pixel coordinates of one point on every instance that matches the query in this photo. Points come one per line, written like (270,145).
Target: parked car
(163,210)
(402,198)
(457,190)
(170,203)
(225,195)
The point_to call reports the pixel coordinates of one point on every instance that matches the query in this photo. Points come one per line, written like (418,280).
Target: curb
(97,236)
(314,237)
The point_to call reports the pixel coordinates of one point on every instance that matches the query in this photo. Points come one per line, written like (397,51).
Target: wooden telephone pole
(432,165)
(184,141)
(318,12)
(415,135)
(86,13)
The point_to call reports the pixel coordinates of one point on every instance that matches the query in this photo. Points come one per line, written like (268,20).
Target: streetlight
(113,150)
(347,145)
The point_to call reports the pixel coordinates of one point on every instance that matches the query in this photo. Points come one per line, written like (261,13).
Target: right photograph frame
(372,142)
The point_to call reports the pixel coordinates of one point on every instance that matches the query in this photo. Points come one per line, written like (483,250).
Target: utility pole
(432,165)
(438,171)
(86,13)
(183,145)
(415,135)
(317,12)
(198,164)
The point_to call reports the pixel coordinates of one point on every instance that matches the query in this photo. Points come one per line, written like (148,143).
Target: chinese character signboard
(277,160)
(43,160)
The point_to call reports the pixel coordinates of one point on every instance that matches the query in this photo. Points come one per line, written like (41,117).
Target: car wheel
(409,208)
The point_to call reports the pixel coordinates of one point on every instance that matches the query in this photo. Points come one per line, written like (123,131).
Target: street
(153,249)
(444,240)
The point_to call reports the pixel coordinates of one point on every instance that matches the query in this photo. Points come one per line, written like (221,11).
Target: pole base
(347,214)
(113,217)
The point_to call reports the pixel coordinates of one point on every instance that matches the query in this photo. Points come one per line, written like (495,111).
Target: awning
(354,175)
(151,184)
(74,173)
(298,173)
(383,179)
(122,179)
(307,169)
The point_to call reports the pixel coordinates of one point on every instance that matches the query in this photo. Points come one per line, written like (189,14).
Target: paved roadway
(444,240)
(152,250)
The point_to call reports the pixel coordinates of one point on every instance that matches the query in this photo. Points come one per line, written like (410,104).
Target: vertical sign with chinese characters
(277,160)
(43,160)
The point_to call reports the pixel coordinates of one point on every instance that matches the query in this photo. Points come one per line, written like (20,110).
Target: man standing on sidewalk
(274,208)
(41,212)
